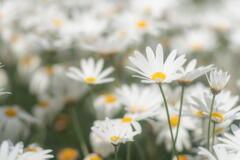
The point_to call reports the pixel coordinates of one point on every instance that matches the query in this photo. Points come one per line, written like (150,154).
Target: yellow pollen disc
(220,27)
(174,121)
(138,109)
(26,61)
(110,99)
(158,76)
(95,158)
(200,113)
(218,116)
(11,112)
(122,34)
(197,47)
(43,104)
(182,157)
(126,119)
(68,154)
(90,79)
(148,9)
(31,150)
(57,22)
(218,130)
(49,70)
(142,24)
(114,138)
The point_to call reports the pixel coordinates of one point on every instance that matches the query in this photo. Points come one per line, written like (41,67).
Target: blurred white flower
(153,69)
(14,122)
(114,132)
(91,72)
(141,102)
(8,151)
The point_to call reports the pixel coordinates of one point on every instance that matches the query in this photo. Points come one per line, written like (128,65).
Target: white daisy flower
(107,105)
(10,152)
(220,153)
(100,146)
(113,131)
(91,72)
(190,72)
(14,122)
(231,141)
(153,69)
(93,156)
(39,155)
(142,102)
(224,106)
(218,80)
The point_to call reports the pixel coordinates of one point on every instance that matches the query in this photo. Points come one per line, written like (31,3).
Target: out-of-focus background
(40,39)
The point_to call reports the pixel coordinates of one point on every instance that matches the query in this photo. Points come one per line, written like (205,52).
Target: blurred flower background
(64,62)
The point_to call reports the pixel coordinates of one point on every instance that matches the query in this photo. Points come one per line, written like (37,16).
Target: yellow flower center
(11,112)
(217,117)
(95,158)
(123,34)
(15,38)
(218,130)
(26,61)
(1,15)
(174,121)
(147,9)
(110,99)
(126,119)
(43,104)
(68,154)
(49,70)
(114,138)
(142,24)
(31,150)
(197,47)
(182,157)
(158,76)
(57,22)
(139,109)
(90,79)
(200,113)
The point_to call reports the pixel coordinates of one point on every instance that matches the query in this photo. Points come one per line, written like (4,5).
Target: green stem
(140,151)
(180,115)
(213,135)
(78,132)
(116,152)
(168,117)
(209,121)
(129,151)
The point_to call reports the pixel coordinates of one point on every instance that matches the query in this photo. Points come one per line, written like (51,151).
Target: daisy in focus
(91,72)
(153,68)
(218,80)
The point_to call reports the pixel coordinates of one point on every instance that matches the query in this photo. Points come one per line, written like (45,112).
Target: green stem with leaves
(209,121)
(129,151)
(168,118)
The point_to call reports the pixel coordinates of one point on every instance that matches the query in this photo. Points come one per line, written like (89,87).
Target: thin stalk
(78,132)
(116,152)
(213,135)
(129,151)
(140,150)
(168,117)
(180,115)
(209,121)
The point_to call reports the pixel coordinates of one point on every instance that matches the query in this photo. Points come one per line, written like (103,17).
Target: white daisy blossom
(10,152)
(14,122)
(153,69)
(220,153)
(91,72)
(140,101)
(191,72)
(113,131)
(218,80)
(231,141)
(224,106)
